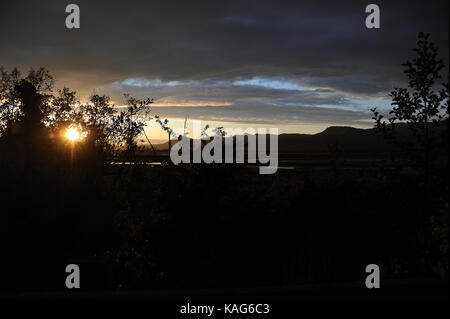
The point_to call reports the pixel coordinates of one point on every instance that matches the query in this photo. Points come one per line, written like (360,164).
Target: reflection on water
(291,164)
(134,163)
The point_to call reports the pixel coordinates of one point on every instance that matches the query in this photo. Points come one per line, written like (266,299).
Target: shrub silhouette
(423,108)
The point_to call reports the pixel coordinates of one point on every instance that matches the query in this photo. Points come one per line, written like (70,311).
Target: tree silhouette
(422,106)
(170,133)
(23,98)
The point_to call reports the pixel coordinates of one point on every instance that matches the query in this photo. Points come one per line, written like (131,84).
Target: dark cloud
(264,114)
(205,46)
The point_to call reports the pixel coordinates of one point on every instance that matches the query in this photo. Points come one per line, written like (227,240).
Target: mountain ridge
(346,138)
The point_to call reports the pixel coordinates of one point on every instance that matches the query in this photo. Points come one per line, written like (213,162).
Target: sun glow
(73,135)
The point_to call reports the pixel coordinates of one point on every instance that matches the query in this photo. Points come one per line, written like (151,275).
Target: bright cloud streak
(270,83)
(142,83)
(192,104)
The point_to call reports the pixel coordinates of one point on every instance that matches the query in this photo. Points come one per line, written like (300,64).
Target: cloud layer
(261,61)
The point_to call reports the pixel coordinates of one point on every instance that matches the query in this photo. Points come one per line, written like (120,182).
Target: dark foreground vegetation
(206,226)
(133,227)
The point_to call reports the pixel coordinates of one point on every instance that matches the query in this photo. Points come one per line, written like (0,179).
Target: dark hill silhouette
(348,139)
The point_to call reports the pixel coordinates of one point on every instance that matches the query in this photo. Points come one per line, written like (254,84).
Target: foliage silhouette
(423,107)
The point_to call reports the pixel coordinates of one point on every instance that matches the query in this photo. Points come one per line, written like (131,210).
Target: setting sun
(72,134)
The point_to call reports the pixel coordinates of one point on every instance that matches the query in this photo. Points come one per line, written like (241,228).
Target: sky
(299,66)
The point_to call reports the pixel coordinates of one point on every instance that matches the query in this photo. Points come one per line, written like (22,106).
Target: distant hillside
(348,139)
